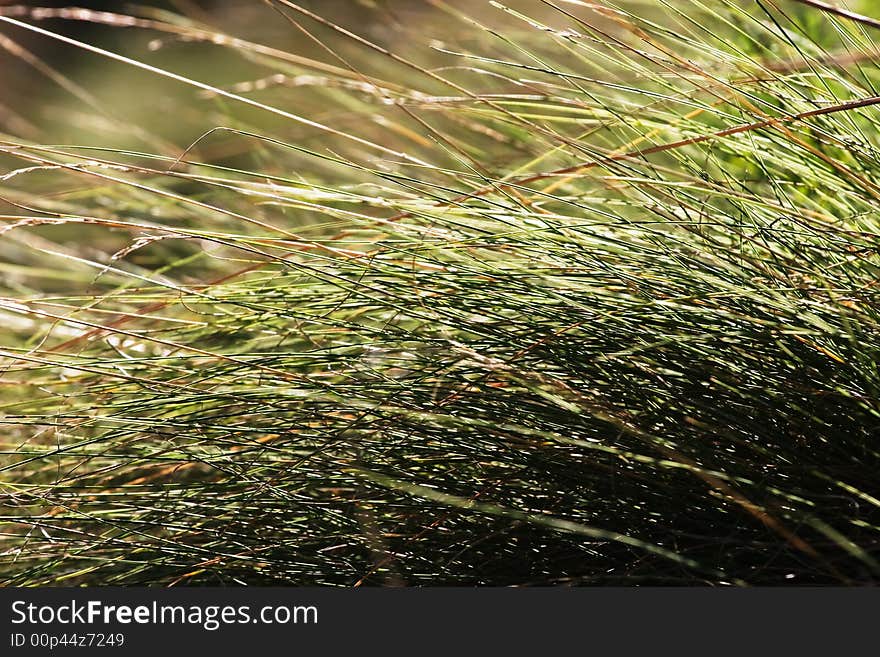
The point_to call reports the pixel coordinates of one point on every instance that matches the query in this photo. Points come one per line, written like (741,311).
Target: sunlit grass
(587,299)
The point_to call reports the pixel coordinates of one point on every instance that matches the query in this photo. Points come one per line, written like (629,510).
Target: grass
(574,294)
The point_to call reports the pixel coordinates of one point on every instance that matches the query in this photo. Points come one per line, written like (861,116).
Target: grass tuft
(546,293)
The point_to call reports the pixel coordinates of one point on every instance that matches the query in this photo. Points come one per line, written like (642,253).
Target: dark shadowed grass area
(541,294)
